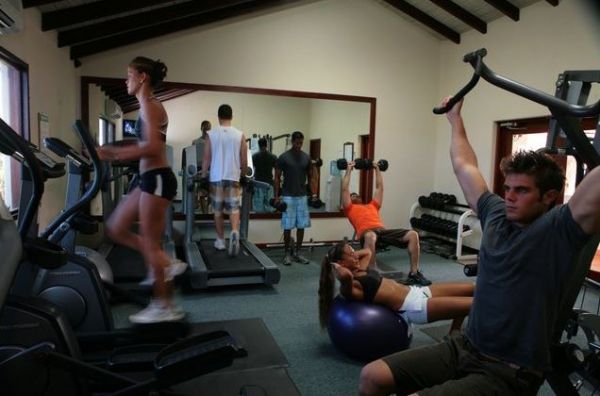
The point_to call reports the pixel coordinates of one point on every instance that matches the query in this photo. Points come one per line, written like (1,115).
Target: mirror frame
(85,117)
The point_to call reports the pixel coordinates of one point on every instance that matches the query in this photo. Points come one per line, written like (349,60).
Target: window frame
(23,69)
(21,114)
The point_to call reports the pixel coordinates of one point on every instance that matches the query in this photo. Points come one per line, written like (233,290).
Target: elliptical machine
(75,287)
(80,168)
(39,354)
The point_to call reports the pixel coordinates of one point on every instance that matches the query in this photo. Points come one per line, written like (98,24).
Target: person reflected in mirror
(295,167)
(370,229)
(528,247)
(202,194)
(226,158)
(416,304)
(264,164)
(149,200)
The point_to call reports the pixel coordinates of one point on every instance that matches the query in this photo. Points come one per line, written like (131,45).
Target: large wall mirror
(331,123)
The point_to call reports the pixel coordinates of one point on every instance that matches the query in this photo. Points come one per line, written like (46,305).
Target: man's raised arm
(346,201)
(585,202)
(463,158)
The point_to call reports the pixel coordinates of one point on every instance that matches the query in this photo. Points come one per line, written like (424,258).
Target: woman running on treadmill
(148,201)
(417,304)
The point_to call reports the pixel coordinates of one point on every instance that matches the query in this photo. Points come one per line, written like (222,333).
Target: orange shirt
(364,217)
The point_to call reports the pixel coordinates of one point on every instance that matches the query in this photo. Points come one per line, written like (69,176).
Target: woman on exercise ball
(148,201)
(416,304)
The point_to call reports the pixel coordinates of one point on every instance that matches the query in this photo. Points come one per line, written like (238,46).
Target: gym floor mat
(260,382)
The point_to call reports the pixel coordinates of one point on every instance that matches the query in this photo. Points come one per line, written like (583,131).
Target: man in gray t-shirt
(296,168)
(525,262)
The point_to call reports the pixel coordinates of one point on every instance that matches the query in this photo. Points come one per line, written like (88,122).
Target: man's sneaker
(287,260)
(220,244)
(417,278)
(299,259)
(157,312)
(234,243)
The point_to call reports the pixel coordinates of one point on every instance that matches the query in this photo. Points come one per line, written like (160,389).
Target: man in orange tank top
(369,227)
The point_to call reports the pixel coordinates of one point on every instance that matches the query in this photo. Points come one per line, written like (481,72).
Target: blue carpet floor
(289,309)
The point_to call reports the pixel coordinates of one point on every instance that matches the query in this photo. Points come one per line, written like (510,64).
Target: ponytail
(326,289)
(327,281)
(155,69)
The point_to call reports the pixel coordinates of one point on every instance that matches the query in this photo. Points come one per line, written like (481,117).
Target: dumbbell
(470,269)
(362,163)
(315,202)
(279,206)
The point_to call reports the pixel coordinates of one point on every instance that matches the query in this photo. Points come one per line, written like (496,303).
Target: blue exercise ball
(366,331)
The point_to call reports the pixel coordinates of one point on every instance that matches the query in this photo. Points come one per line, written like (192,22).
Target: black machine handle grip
(555,104)
(475,58)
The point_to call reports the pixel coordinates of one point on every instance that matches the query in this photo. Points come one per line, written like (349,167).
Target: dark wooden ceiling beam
(37,3)
(92,11)
(425,19)
(143,19)
(553,2)
(506,8)
(173,95)
(462,14)
(148,32)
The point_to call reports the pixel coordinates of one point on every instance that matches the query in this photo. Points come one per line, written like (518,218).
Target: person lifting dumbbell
(367,222)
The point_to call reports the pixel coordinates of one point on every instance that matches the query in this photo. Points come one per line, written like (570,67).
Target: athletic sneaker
(234,243)
(175,268)
(220,244)
(417,278)
(299,259)
(156,312)
(287,260)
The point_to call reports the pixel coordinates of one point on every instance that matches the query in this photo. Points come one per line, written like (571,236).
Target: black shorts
(387,237)
(160,182)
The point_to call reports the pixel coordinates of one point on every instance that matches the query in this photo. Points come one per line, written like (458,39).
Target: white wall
(53,90)
(336,123)
(353,47)
(545,42)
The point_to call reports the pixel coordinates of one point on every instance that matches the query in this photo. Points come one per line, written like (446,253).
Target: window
(531,134)
(14,110)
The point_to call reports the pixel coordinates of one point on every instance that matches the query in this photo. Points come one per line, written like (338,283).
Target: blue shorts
(296,214)
(260,200)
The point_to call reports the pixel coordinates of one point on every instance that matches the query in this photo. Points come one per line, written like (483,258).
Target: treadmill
(209,267)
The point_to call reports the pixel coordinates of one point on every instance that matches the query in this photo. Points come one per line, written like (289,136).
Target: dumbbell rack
(416,211)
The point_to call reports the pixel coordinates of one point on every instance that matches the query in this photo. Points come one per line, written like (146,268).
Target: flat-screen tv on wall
(129,129)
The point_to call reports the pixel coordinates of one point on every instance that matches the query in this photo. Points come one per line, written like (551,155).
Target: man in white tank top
(226,155)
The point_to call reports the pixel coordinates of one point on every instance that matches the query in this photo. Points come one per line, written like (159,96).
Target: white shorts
(414,309)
